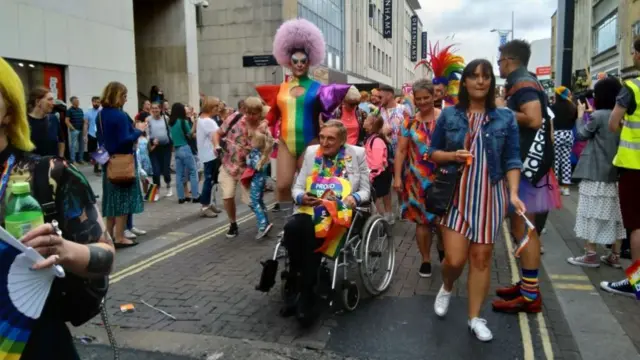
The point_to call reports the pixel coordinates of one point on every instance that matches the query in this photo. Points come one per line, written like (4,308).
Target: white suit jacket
(357,172)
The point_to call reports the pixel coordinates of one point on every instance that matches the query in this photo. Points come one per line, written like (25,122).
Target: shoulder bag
(121,168)
(187,136)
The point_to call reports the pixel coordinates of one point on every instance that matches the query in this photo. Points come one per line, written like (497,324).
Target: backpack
(78,299)
(389,149)
(536,150)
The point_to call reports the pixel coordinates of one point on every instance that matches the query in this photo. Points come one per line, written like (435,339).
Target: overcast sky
(470,22)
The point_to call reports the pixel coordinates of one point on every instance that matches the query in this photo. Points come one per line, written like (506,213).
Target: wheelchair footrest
(268,276)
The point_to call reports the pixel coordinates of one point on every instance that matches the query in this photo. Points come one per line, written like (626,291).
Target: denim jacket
(501,139)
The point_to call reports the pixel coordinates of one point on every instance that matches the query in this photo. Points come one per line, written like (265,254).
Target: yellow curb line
(569,277)
(145,264)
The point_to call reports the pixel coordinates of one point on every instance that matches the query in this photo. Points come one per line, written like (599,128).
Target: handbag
(190,140)
(439,196)
(121,168)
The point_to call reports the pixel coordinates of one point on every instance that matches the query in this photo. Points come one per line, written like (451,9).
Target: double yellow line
(525,329)
(164,255)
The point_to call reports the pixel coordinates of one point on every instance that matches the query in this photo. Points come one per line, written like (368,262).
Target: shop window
(605,34)
(34,74)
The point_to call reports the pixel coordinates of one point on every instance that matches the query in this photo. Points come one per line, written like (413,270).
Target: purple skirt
(543,197)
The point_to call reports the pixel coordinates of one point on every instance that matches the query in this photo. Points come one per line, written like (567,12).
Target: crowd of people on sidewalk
(459,157)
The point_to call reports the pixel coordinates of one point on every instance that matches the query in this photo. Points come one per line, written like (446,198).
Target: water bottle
(23,212)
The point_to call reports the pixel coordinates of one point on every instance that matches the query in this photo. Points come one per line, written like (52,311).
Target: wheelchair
(359,249)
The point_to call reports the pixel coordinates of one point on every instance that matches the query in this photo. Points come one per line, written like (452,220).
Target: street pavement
(186,267)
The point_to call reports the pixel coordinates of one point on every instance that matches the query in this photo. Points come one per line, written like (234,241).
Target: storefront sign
(424,45)
(387,16)
(543,70)
(259,60)
(53,81)
(414,38)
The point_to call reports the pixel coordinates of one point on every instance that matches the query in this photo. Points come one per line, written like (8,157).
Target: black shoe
(181,201)
(276,208)
(621,287)
(233,231)
(626,254)
(425,270)
(187,199)
(196,200)
(441,255)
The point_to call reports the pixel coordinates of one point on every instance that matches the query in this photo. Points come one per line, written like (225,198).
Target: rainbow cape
(332,219)
(633,274)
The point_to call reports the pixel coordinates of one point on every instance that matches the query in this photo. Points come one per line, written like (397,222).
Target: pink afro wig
(298,34)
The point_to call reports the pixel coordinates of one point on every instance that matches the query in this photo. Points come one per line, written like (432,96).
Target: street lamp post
(511,31)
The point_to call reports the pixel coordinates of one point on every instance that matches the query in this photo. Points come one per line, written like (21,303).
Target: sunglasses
(296,61)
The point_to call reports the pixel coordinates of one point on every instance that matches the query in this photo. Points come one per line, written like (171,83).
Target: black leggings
(301,243)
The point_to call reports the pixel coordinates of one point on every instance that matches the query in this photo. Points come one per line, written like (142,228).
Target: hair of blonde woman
(113,95)
(253,104)
(265,110)
(342,131)
(353,95)
(210,104)
(12,91)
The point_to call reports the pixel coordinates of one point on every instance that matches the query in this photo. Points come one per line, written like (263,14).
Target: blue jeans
(211,169)
(75,145)
(257,199)
(185,163)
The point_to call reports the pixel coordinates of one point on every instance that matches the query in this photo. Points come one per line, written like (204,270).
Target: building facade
(554,34)
(67,47)
(629,31)
(605,55)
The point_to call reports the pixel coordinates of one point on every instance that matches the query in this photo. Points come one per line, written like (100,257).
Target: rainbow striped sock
(529,286)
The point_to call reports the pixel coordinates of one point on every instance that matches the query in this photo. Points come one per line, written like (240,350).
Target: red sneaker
(509,292)
(519,304)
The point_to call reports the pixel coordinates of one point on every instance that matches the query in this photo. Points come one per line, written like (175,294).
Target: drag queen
(446,68)
(300,103)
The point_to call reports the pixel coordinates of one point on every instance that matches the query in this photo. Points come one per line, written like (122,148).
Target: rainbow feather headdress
(446,67)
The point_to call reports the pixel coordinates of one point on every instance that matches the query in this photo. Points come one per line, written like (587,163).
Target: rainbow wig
(11,89)
(298,35)
(446,67)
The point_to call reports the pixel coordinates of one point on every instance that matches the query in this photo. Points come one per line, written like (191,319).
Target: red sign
(53,81)
(543,70)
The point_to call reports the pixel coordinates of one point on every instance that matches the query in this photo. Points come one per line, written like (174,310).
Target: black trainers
(425,270)
(276,208)
(621,287)
(233,231)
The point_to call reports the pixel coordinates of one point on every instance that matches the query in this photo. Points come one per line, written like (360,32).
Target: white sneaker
(157,197)
(565,191)
(441,305)
(479,328)
(130,235)
(390,219)
(169,193)
(137,231)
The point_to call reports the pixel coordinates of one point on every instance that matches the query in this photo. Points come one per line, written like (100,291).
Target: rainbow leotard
(299,118)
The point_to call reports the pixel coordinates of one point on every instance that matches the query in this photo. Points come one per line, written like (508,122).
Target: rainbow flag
(332,220)
(633,274)
(152,191)
(15,327)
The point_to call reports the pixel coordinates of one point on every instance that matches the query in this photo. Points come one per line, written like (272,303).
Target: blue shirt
(92,117)
(117,133)
(76,117)
(501,138)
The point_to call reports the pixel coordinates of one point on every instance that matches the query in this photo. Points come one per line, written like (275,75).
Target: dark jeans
(92,146)
(161,164)
(301,243)
(211,169)
(129,222)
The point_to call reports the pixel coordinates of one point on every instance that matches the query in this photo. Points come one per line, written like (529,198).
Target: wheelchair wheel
(375,272)
(349,295)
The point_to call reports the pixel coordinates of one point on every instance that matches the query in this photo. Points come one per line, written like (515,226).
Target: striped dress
(479,206)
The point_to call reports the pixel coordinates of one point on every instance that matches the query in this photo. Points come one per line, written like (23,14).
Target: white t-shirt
(206,127)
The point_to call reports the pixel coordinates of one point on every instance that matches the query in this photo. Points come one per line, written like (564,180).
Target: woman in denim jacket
(485,138)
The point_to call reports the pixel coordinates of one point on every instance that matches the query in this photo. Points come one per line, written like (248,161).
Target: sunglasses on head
(296,61)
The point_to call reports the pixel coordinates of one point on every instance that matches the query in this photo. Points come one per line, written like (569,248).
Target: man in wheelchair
(330,169)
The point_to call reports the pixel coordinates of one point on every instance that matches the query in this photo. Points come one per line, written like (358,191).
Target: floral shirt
(394,118)
(238,144)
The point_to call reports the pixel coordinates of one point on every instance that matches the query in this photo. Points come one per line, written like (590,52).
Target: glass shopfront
(35,74)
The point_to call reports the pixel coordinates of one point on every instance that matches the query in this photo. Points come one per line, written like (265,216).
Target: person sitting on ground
(333,161)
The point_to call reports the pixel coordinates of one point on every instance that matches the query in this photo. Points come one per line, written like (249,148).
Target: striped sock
(529,285)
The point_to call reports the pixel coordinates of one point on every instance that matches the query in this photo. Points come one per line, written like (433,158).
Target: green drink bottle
(23,212)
